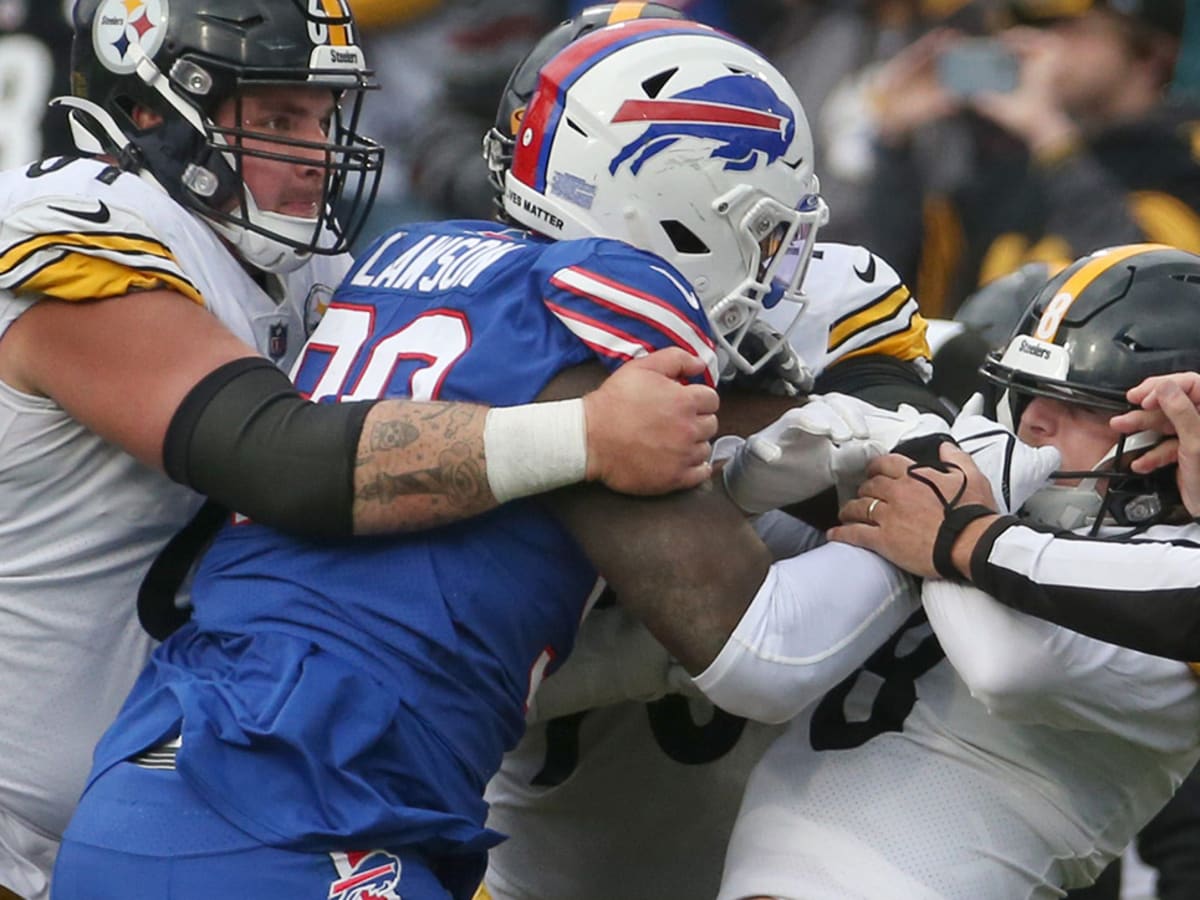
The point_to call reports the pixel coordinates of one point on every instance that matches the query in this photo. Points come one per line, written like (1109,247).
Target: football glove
(805,451)
(615,659)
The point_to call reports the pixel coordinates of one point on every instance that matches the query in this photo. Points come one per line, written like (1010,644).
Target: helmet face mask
(176,65)
(681,141)
(1095,330)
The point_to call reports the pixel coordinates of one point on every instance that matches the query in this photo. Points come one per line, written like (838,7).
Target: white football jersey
(637,800)
(82,519)
(1026,774)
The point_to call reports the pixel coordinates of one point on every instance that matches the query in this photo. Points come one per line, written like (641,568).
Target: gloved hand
(1014,469)
(805,451)
(615,659)
(785,373)
(888,427)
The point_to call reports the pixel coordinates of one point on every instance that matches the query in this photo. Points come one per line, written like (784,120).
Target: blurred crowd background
(925,153)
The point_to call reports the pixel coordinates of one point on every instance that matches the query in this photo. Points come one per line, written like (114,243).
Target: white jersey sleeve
(1142,592)
(77,229)
(793,644)
(1029,670)
(979,754)
(71,234)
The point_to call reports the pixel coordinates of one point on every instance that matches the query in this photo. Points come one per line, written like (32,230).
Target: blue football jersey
(363,692)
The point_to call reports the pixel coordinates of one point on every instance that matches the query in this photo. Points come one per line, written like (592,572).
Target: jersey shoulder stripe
(855,304)
(55,220)
(889,323)
(91,266)
(628,301)
(601,337)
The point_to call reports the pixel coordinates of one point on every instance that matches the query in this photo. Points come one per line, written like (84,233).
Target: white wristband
(534,448)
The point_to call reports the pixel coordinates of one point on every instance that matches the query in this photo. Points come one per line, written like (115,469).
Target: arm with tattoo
(421,464)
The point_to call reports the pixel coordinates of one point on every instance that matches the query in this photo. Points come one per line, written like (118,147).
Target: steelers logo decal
(120,24)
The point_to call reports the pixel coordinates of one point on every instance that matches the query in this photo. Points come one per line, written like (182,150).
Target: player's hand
(1013,468)
(802,453)
(887,427)
(1171,406)
(647,432)
(898,516)
(615,660)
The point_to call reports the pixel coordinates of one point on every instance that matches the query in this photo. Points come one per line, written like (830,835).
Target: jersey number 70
(346,360)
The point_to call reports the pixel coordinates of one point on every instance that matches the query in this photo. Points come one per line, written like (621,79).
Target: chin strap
(265,253)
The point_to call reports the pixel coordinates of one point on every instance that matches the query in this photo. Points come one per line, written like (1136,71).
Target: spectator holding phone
(1047,141)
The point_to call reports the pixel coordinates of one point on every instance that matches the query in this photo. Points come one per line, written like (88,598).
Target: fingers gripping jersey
(83,520)
(564,794)
(425,648)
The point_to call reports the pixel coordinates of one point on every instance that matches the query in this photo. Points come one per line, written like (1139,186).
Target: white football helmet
(682,141)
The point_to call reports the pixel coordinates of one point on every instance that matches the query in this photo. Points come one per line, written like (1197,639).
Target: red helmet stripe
(697,111)
(545,107)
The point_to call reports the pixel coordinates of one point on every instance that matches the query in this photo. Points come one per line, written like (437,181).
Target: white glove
(615,659)
(1014,469)
(799,455)
(785,373)
(887,427)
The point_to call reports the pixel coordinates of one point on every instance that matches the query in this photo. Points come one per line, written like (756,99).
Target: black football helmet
(1095,330)
(181,60)
(500,140)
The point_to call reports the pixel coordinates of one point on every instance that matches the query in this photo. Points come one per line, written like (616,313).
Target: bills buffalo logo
(741,113)
(373,875)
(119,25)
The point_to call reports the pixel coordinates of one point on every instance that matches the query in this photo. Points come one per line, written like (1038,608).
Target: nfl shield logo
(277,341)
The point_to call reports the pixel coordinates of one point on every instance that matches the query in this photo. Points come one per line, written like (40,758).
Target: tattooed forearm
(392,435)
(420,465)
(459,478)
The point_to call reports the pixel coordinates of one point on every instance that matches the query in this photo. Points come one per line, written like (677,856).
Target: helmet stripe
(1097,265)
(624,11)
(542,118)
(339,35)
(698,111)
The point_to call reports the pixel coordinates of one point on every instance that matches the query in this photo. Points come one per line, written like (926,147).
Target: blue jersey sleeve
(624,303)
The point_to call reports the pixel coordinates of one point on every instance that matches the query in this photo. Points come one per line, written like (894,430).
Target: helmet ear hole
(682,238)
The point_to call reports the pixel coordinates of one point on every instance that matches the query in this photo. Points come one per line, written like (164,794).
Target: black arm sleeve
(1163,620)
(244,437)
